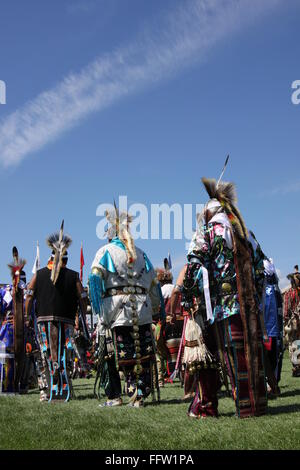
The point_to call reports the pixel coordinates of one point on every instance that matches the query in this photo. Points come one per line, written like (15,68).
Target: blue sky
(143,98)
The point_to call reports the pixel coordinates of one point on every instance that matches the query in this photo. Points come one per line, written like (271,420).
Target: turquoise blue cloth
(107,262)
(96,291)
(116,241)
(148,263)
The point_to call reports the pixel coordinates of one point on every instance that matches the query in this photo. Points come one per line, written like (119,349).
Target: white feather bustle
(198,353)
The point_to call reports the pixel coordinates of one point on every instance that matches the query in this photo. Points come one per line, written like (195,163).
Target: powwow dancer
(271,308)
(82,343)
(158,328)
(125,293)
(219,288)
(174,319)
(18,287)
(292,320)
(190,382)
(273,318)
(57,291)
(7,353)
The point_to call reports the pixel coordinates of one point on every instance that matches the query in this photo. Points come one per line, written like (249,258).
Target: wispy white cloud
(181,39)
(283,189)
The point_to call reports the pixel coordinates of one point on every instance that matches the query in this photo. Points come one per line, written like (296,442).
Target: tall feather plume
(59,243)
(15,254)
(166,264)
(17,263)
(223,171)
(16,266)
(117,217)
(219,189)
(225,193)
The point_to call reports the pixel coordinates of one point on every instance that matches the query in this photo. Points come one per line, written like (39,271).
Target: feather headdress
(59,243)
(120,222)
(16,267)
(165,275)
(225,194)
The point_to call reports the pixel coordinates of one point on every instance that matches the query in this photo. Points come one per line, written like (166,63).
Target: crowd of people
(223,323)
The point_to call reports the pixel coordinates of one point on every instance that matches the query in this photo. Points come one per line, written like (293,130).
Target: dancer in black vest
(58,293)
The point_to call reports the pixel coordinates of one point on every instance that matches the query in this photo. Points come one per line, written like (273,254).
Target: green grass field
(81,424)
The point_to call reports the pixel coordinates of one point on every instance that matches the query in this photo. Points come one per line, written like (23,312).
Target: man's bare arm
(177,290)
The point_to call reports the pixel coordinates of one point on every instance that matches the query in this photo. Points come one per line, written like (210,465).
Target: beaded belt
(126,290)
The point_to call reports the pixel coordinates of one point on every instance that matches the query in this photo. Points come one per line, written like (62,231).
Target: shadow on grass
(82,387)
(89,396)
(290,393)
(173,401)
(276,410)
